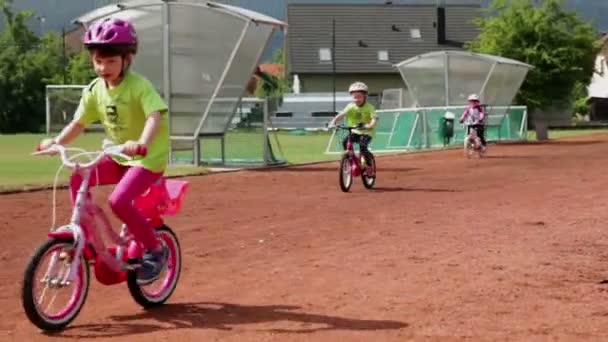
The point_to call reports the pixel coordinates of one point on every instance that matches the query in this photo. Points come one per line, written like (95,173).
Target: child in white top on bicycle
(473,117)
(359,113)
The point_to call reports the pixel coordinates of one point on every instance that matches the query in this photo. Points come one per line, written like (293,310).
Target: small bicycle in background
(61,264)
(354,165)
(472,143)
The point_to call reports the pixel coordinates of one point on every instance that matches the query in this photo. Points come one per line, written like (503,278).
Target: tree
(80,69)
(278,57)
(16,41)
(561,47)
(271,85)
(579,99)
(27,64)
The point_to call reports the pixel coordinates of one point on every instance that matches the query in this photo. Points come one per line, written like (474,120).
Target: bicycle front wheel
(45,287)
(346,176)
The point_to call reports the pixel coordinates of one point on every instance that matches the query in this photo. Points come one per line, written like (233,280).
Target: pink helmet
(111,32)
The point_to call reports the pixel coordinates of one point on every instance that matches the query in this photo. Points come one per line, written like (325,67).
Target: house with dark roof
(369,40)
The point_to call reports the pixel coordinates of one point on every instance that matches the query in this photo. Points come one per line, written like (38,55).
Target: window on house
(325,55)
(415,33)
(383,56)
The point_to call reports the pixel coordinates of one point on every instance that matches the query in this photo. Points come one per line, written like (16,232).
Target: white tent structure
(447,78)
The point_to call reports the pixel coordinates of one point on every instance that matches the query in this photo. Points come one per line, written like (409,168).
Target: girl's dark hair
(112,50)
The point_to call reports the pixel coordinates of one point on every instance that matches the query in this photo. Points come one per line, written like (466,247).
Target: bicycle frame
(473,138)
(355,163)
(89,241)
(87,224)
(86,227)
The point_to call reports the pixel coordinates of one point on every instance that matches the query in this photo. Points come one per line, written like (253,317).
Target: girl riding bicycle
(474,116)
(133,114)
(359,113)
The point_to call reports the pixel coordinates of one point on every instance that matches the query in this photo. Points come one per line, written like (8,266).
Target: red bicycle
(354,165)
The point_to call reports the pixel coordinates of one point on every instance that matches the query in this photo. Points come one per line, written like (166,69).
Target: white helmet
(357,86)
(473,97)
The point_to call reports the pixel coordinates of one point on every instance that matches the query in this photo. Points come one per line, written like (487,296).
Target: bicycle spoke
(51,302)
(41,298)
(51,267)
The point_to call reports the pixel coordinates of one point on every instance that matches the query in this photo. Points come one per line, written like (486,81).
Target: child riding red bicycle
(362,114)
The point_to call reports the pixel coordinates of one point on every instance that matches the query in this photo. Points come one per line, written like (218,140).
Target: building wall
(59,13)
(74,38)
(364,30)
(324,82)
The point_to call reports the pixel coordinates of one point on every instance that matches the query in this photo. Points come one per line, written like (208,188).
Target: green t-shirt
(123,111)
(356,115)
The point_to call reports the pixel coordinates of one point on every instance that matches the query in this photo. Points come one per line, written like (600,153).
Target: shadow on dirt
(329,168)
(509,157)
(401,189)
(559,142)
(224,316)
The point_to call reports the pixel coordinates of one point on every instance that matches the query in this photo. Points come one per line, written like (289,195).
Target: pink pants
(131,182)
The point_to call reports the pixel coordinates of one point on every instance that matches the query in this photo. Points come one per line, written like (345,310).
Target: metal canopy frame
(444,56)
(494,60)
(248,18)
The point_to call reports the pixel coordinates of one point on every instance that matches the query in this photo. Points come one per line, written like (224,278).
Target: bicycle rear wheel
(158,292)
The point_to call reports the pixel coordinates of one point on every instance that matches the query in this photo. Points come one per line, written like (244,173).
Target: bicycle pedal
(132,264)
(132,267)
(54,283)
(64,255)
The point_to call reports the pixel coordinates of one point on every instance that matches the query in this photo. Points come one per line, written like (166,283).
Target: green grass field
(557,134)
(19,169)
(248,145)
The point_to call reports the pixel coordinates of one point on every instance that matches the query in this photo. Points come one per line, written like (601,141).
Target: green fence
(420,128)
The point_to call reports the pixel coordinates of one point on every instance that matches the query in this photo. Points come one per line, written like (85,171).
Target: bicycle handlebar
(468,123)
(348,128)
(108,149)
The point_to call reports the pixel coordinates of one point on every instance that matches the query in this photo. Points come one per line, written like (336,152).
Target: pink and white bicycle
(60,266)
(472,143)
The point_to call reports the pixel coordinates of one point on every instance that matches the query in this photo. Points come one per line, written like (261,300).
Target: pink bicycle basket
(163,198)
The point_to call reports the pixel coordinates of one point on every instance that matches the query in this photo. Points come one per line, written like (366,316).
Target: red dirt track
(513,247)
